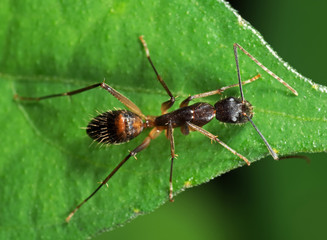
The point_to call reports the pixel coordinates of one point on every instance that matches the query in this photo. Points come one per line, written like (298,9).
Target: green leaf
(47,164)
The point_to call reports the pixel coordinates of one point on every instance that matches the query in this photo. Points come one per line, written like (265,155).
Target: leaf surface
(47,164)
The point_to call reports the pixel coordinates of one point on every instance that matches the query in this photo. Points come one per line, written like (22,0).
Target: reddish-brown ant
(120,126)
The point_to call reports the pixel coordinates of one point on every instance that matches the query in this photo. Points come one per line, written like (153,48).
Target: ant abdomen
(115,127)
(233,110)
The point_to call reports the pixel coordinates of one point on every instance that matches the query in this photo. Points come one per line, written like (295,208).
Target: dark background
(269,200)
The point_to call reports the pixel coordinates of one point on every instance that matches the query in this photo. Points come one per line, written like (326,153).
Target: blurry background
(269,200)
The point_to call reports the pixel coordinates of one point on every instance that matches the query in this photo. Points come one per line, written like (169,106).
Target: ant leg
(214,138)
(260,65)
(152,135)
(124,100)
(307,159)
(57,95)
(166,105)
(170,136)
(218,91)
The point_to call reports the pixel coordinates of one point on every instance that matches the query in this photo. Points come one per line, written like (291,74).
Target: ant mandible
(120,126)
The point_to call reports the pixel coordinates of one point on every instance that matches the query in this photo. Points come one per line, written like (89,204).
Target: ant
(121,126)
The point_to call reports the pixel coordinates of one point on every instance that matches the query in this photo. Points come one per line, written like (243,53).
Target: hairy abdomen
(115,127)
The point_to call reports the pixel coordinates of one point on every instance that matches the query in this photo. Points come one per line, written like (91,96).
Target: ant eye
(232,110)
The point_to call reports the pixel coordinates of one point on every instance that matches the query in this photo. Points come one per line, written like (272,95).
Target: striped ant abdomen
(115,127)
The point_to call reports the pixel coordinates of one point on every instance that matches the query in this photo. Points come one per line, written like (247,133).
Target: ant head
(233,110)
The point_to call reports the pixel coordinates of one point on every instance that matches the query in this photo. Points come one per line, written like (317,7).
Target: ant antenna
(260,65)
(238,73)
(272,152)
